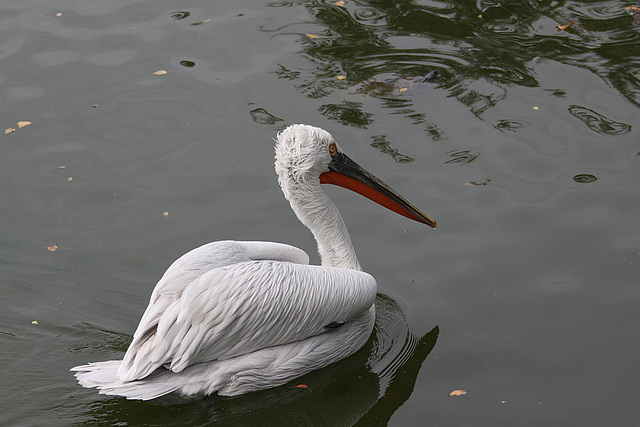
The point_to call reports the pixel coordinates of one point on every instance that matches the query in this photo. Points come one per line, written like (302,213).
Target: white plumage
(231,317)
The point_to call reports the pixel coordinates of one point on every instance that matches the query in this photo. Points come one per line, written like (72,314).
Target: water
(524,148)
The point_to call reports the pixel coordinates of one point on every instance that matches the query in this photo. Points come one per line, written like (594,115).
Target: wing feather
(239,303)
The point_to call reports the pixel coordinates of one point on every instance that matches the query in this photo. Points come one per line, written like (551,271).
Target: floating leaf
(339,3)
(204,21)
(565,27)
(9,130)
(473,183)
(341,77)
(160,72)
(34,322)
(52,248)
(23,124)
(165,214)
(455,393)
(403,89)
(302,386)
(311,36)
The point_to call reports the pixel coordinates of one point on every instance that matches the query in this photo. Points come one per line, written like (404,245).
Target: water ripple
(380,142)
(179,15)
(584,178)
(461,156)
(599,123)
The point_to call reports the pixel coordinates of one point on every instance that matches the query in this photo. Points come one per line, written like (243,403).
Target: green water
(524,148)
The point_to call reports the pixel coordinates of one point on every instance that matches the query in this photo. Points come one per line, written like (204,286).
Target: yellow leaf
(52,248)
(34,322)
(160,72)
(311,36)
(403,89)
(341,77)
(23,124)
(165,214)
(457,393)
(9,130)
(339,3)
(565,27)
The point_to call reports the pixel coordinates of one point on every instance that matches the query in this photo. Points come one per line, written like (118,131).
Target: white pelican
(232,317)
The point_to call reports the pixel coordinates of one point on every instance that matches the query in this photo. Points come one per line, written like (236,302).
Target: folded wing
(214,303)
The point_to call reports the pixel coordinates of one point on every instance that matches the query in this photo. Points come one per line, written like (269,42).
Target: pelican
(231,317)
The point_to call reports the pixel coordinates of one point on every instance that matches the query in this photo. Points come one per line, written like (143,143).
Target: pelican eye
(333,150)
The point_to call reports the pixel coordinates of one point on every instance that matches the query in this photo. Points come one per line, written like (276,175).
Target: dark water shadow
(365,389)
(479,49)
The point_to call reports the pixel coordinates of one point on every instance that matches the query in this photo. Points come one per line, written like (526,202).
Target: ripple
(510,125)
(599,123)
(461,156)
(263,117)
(627,80)
(348,113)
(368,15)
(380,142)
(584,178)
(179,15)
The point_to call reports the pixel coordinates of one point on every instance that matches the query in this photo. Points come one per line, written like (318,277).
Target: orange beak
(346,173)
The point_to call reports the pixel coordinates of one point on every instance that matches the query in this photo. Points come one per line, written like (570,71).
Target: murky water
(150,133)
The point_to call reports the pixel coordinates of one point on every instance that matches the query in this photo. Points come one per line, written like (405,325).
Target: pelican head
(308,156)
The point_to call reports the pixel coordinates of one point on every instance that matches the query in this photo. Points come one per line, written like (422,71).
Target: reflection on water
(380,142)
(510,125)
(364,389)
(461,156)
(599,123)
(348,113)
(263,117)
(479,49)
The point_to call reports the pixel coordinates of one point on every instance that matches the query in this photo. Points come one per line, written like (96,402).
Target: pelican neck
(318,213)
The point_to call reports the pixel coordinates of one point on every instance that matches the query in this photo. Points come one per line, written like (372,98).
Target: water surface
(524,148)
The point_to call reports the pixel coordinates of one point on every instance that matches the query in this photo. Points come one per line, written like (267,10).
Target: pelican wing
(245,303)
